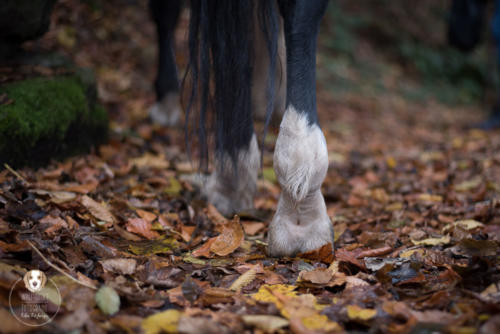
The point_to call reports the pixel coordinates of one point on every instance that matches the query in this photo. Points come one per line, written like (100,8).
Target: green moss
(49,118)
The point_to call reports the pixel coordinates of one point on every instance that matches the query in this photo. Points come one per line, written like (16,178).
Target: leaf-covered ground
(413,194)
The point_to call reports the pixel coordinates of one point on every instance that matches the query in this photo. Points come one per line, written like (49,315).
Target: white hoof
(299,227)
(166,112)
(301,222)
(232,190)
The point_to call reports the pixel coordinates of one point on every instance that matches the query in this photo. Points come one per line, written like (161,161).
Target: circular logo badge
(34,300)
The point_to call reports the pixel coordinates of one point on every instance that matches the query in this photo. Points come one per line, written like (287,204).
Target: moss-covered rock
(49,118)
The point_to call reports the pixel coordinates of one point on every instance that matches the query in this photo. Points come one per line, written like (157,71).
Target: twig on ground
(59,269)
(16,174)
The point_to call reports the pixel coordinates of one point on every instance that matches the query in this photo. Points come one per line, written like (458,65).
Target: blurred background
(368,48)
(389,83)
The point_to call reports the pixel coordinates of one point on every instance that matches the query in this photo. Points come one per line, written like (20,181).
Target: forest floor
(412,191)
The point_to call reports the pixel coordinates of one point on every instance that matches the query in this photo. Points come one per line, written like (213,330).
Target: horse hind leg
(232,188)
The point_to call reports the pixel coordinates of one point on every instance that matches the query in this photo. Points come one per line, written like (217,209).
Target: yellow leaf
(149,160)
(67,37)
(321,322)
(469,184)
(334,267)
(191,259)
(265,293)
(163,322)
(409,253)
(394,207)
(268,323)
(174,187)
(432,241)
(430,198)
(466,224)
(150,247)
(354,312)
(391,162)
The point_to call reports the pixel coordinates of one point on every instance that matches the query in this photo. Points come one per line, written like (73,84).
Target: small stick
(16,174)
(59,269)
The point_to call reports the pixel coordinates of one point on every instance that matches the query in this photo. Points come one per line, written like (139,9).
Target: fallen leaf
(322,254)
(265,293)
(154,246)
(433,241)
(230,239)
(344,255)
(204,250)
(268,323)
(120,266)
(97,210)
(469,184)
(163,322)
(246,278)
(149,160)
(430,198)
(174,188)
(108,300)
(467,224)
(252,228)
(375,252)
(479,247)
(142,227)
(317,276)
(354,312)
(147,216)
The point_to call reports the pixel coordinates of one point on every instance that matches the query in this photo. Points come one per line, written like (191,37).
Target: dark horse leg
(221,53)
(222,34)
(166,110)
(301,222)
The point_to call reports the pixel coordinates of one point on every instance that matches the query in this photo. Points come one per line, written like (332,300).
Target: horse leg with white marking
(222,61)
(221,52)
(166,110)
(301,222)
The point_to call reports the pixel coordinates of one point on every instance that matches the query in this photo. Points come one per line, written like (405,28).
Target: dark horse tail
(221,36)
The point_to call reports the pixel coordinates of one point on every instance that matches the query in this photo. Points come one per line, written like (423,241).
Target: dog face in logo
(34,280)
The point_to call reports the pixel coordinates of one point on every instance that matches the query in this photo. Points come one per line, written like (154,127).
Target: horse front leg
(301,222)
(167,109)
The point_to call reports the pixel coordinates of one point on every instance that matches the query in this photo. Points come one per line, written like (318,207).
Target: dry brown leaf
(121,266)
(97,210)
(142,227)
(147,216)
(230,239)
(204,250)
(252,228)
(322,254)
(317,276)
(56,223)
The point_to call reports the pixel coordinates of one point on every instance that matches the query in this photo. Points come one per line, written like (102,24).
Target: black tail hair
(221,35)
